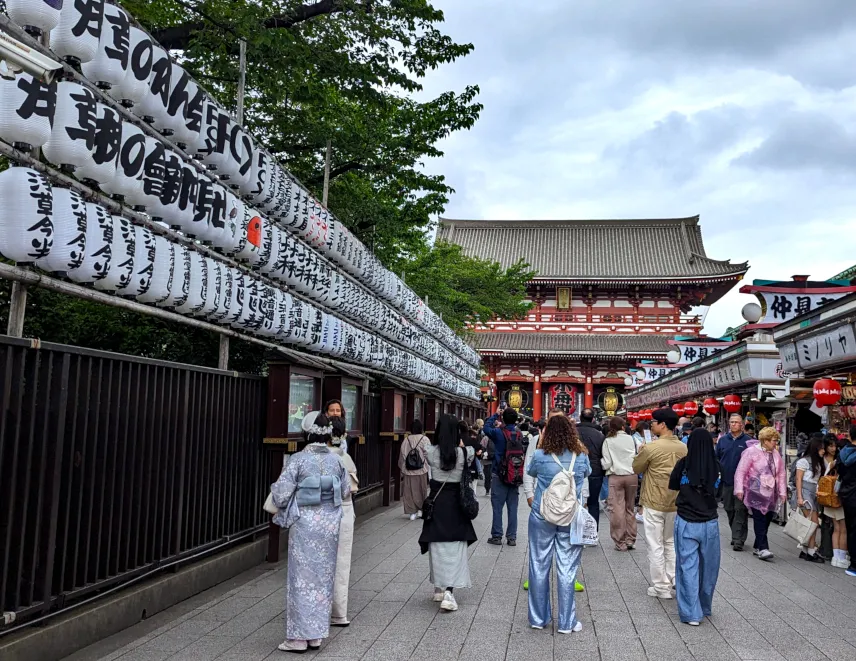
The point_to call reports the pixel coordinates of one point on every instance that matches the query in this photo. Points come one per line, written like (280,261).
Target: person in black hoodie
(592,437)
(697,552)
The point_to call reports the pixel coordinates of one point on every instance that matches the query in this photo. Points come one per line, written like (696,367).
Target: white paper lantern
(36,16)
(101,168)
(214,136)
(251,236)
(240,281)
(251,316)
(144,260)
(153,106)
(97,257)
(179,287)
(229,238)
(162,271)
(110,64)
(122,247)
(260,175)
(26,215)
(27,108)
(197,286)
(243,150)
(72,140)
(316,332)
(128,182)
(161,178)
(134,87)
(273,242)
(227,277)
(75,38)
(69,238)
(208,223)
(185,103)
(214,276)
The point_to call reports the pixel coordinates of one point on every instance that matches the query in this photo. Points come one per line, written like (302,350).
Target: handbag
(799,527)
(269,506)
(428,504)
(827,494)
(468,501)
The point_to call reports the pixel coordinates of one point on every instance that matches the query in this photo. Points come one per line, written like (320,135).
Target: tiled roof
(592,249)
(590,343)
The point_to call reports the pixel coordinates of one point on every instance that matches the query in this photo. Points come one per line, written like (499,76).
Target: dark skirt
(449,523)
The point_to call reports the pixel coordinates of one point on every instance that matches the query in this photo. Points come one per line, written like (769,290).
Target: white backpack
(559,504)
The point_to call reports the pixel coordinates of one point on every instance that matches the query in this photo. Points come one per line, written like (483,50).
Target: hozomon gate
(607,294)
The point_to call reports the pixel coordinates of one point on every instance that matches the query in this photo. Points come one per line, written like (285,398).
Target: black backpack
(413,461)
(512,464)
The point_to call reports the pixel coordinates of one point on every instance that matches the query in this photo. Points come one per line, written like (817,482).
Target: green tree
(467,289)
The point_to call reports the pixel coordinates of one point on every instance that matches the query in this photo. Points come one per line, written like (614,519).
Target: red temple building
(608,295)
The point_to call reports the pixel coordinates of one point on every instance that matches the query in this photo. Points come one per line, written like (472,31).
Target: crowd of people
(670,475)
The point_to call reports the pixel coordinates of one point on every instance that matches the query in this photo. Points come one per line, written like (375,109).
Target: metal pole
(327,160)
(242,80)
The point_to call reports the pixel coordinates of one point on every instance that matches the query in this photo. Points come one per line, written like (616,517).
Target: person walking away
(316,479)
(488,454)
(697,552)
(448,532)
(592,438)
(835,514)
(413,464)
(809,470)
(339,614)
(508,463)
(729,449)
(619,451)
(847,494)
(655,461)
(561,450)
(760,483)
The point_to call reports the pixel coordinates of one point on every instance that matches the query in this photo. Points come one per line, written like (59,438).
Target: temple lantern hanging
(72,140)
(153,106)
(732,403)
(251,316)
(69,238)
(161,272)
(35,16)
(711,406)
(110,64)
(179,286)
(241,145)
(127,185)
(122,248)
(678,408)
(134,87)
(260,174)
(690,408)
(251,235)
(273,242)
(76,36)
(232,234)
(179,115)
(197,285)
(26,215)
(144,259)
(827,392)
(100,169)
(224,293)
(214,279)
(97,256)
(27,109)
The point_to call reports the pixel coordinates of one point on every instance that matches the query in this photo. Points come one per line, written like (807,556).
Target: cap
(667,416)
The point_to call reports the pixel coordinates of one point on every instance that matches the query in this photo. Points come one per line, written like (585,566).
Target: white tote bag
(799,527)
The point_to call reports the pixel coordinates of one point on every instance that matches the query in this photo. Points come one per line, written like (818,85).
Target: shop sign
(790,361)
(832,346)
(691,353)
(784,307)
(726,376)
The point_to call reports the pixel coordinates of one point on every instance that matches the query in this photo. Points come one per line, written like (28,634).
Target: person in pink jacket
(760,483)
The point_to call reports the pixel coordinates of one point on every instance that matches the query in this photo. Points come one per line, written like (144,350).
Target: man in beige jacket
(655,462)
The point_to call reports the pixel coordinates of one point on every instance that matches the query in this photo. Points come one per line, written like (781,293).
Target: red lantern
(827,392)
(690,408)
(732,403)
(647,414)
(678,408)
(711,406)
(632,416)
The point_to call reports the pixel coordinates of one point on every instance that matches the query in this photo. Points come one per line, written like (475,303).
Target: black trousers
(850,523)
(761,523)
(595,483)
(488,470)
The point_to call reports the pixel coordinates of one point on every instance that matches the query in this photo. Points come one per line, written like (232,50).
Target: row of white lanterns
(58,231)
(78,132)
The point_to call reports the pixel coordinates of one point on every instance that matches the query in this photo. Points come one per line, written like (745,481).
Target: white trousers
(343,563)
(660,538)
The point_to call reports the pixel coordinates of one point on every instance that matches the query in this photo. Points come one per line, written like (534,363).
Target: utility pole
(327,160)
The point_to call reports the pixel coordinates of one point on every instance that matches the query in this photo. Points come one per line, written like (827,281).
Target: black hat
(667,416)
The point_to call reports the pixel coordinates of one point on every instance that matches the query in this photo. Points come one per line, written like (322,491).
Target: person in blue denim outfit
(503,496)
(546,541)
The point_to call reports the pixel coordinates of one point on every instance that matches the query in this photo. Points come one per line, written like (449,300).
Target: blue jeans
(696,567)
(501,495)
(595,485)
(547,541)
(604,490)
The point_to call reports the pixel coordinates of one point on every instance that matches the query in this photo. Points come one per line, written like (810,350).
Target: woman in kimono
(346,531)
(311,489)
(447,534)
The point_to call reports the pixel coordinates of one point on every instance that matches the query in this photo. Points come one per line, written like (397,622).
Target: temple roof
(604,344)
(594,250)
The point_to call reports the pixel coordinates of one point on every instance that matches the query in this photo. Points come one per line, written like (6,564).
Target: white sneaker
(314,644)
(438,595)
(654,592)
(413,517)
(694,623)
(535,626)
(449,603)
(640,518)
(419,514)
(755,551)
(293,646)
(577,628)
(766,554)
(839,564)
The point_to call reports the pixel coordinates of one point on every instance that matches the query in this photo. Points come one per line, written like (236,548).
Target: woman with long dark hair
(810,468)
(317,482)
(561,450)
(697,552)
(447,532)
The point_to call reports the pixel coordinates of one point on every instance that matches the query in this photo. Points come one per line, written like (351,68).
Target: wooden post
(242,80)
(17,310)
(223,357)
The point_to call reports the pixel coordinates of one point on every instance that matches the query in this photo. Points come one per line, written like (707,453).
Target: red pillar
(538,404)
(589,393)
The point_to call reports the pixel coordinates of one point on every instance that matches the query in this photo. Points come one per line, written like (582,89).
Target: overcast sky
(742,111)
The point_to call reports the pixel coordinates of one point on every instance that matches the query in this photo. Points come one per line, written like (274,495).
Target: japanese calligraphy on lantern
(828,347)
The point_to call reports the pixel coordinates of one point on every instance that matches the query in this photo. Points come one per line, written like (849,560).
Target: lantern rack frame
(69,73)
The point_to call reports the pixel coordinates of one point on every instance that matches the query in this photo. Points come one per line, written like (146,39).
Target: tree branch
(338,171)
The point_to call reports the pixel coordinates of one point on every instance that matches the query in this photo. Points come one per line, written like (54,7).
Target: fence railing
(112,466)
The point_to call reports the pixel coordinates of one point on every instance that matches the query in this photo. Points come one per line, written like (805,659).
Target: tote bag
(799,527)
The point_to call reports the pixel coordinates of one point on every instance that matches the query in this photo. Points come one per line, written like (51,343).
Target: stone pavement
(786,609)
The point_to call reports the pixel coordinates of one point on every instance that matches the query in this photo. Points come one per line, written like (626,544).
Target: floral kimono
(311,489)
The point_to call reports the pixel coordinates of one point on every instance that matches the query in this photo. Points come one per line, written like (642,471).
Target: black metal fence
(112,466)
(369,456)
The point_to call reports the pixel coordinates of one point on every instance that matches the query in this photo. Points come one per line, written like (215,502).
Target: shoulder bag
(469,504)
